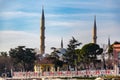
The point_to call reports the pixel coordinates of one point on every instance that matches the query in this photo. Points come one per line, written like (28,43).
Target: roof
(45,60)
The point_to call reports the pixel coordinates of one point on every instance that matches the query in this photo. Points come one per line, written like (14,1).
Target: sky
(20,22)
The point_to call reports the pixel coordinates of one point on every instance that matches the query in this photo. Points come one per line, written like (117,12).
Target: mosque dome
(61,50)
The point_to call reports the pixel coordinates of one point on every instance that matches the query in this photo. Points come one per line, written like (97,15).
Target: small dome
(46,55)
(61,50)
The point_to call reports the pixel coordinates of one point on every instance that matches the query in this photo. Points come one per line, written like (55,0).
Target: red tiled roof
(46,60)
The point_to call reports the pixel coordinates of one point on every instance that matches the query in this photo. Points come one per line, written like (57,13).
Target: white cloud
(95,5)
(17,14)
(21,14)
(65,23)
(81,28)
(12,39)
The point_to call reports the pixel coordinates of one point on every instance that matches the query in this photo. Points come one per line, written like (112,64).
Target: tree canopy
(5,63)
(4,54)
(90,52)
(71,55)
(23,57)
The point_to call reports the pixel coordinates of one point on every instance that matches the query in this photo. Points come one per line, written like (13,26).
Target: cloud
(108,29)
(18,14)
(78,24)
(65,16)
(12,39)
(65,23)
(83,20)
(107,4)
(89,5)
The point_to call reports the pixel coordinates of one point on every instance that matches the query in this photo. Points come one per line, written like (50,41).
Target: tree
(79,55)
(23,58)
(5,63)
(116,42)
(54,55)
(4,54)
(90,52)
(110,49)
(111,54)
(71,55)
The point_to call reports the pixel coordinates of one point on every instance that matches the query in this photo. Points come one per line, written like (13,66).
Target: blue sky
(20,22)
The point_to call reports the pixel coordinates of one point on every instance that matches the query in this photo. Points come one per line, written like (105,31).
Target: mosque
(42,36)
(46,64)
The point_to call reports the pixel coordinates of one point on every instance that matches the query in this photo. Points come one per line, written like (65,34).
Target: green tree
(110,54)
(54,55)
(90,52)
(71,55)
(110,49)
(23,58)
(79,55)
(5,63)
(4,54)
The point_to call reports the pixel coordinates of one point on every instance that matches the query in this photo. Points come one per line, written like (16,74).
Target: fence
(63,73)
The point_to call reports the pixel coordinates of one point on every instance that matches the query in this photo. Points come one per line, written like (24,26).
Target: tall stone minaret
(108,41)
(62,43)
(94,34)
(42,36)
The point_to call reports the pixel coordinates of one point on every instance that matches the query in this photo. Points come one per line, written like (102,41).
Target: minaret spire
(62,43)
(94,31)
(108,41)
(42,37)
(43,12)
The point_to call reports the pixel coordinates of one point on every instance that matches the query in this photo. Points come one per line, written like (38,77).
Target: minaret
(62,43)
(42,37)
(94,31)
(108,41)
